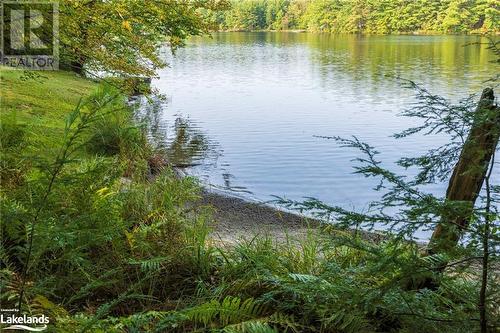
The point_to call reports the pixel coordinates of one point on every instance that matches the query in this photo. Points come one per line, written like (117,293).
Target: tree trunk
(77,67)
(469,174)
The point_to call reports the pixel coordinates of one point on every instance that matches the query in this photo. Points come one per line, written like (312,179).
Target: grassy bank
(34,96)
(42,103)
(116,250)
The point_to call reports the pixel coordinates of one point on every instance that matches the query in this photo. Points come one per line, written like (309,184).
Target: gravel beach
(236,218)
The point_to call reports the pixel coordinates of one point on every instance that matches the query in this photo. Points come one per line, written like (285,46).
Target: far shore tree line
(364,16)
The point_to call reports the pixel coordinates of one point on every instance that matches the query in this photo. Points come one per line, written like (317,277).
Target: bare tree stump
(469,174)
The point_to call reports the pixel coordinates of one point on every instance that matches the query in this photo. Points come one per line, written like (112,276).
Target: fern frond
(230,311)
(250,326)
(346,322)
(151,264)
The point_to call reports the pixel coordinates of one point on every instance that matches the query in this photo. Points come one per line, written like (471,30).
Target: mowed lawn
(41,104)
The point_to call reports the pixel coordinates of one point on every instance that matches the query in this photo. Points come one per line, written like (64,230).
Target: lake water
(243,110)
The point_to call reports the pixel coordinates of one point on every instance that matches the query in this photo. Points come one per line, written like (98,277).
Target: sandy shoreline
(236,218)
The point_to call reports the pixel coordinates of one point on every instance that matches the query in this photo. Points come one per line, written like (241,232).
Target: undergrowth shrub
(79,235)
(263,285)
(115,134)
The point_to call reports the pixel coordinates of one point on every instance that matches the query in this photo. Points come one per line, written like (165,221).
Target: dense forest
(360,16)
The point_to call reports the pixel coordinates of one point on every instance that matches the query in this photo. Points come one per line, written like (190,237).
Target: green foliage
(230,311)
(246,15)
(114,133)
(350,287)
(124,37)
(357,16)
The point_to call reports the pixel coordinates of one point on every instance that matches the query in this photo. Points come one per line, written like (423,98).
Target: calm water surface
(244,110)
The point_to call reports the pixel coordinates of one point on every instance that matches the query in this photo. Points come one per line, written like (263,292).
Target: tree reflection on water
(182,140)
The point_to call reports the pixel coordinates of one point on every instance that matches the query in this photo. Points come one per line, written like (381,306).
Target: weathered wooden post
(469,174)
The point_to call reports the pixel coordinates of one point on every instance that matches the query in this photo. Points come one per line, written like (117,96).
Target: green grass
(41,104)
(45,100)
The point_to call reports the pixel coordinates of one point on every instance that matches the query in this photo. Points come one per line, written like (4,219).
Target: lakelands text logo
(30,34)
(24,322)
